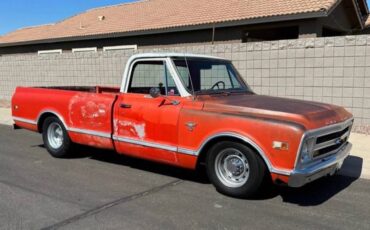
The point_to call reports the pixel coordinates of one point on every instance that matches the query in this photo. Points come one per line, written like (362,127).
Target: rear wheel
(235,169)
(56,139)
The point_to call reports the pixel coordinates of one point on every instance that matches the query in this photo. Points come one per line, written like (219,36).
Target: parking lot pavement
(99,189)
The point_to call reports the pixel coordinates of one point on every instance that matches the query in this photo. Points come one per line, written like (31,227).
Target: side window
(184,74)
(149,74)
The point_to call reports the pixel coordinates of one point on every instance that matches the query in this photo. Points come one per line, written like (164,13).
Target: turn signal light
(279,145)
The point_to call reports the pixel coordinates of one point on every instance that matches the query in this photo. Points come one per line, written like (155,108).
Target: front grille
(330,143)
(331,136)
(326,150)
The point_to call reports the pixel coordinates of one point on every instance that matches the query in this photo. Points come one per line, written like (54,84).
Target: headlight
(306,151)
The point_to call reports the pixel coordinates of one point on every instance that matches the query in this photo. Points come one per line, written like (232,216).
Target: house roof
(367,22)
(152,15)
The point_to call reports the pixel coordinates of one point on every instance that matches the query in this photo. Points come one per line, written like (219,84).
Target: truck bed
(78,107)
(88,89)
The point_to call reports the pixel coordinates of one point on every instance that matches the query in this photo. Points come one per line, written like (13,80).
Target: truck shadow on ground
(324,189)
(313,194)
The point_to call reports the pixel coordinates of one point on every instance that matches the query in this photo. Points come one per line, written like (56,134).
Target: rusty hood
(309,114)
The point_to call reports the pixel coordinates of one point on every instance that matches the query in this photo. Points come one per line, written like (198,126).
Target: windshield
(209,76)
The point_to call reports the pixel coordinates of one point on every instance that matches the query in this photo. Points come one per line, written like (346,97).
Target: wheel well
(41,120)
(204,151)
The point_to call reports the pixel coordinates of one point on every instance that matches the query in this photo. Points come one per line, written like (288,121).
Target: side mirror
(155,92)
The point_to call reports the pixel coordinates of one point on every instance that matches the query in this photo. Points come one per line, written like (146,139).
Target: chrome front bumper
(324,167)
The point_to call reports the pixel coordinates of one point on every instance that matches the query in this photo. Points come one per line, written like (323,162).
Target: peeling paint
(137,129)
(87,109)
(115,125)
(93,110)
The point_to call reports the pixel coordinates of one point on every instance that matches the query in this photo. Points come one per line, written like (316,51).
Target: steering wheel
(217,84)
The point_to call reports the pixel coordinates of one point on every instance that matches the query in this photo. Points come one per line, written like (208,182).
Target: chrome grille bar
(329,147)
(329,143)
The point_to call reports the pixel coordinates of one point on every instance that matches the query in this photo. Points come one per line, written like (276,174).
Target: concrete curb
(5,116)
(357,165)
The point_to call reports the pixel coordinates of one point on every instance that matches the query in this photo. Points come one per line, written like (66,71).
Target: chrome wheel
(55,135)
(232,167)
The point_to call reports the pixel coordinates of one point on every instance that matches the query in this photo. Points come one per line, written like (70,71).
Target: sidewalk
(5,116)
(358,164)
(359,161)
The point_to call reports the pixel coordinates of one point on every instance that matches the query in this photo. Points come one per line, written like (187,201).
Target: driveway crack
(112,204)
(40,193)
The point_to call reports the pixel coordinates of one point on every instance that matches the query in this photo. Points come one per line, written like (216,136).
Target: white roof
(164,55)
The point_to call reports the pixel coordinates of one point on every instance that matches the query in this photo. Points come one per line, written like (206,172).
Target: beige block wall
(333,70)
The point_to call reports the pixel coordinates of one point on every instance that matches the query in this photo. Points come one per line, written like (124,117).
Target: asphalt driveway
(102,190)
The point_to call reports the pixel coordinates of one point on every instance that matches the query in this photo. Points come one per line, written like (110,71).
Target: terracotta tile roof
(164,14)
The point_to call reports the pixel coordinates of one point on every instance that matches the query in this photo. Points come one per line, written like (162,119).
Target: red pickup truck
(185,110)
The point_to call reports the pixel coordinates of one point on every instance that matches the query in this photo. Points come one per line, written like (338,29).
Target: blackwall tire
(55,137)
(235,169)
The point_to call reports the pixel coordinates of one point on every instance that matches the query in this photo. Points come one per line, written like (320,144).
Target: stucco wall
(333,70)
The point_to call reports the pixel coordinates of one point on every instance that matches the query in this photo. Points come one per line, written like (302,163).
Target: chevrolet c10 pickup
(188,110)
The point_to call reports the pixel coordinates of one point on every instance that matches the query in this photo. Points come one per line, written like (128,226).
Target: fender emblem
(191,125)
(340,140)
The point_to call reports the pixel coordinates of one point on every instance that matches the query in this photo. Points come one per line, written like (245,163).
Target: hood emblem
(331,122)
(191,125)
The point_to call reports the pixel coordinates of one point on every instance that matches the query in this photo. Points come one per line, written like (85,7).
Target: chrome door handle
(125,106)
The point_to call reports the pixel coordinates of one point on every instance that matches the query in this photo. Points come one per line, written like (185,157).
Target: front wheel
(235,169)
(55,137)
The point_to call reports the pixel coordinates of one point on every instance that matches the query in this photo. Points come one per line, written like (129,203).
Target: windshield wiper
(221,92)
(212,92)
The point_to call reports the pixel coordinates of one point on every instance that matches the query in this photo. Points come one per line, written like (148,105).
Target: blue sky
(16,14)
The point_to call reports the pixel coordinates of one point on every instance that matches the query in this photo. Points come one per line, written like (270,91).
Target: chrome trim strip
(155,145)
(298,155)
(187,151)
(281,171)
(90,132)
(29,121)
(145,143)
(325,144)
(345,135)
(329,153)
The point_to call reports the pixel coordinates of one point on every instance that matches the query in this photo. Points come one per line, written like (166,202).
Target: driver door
(146,127)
